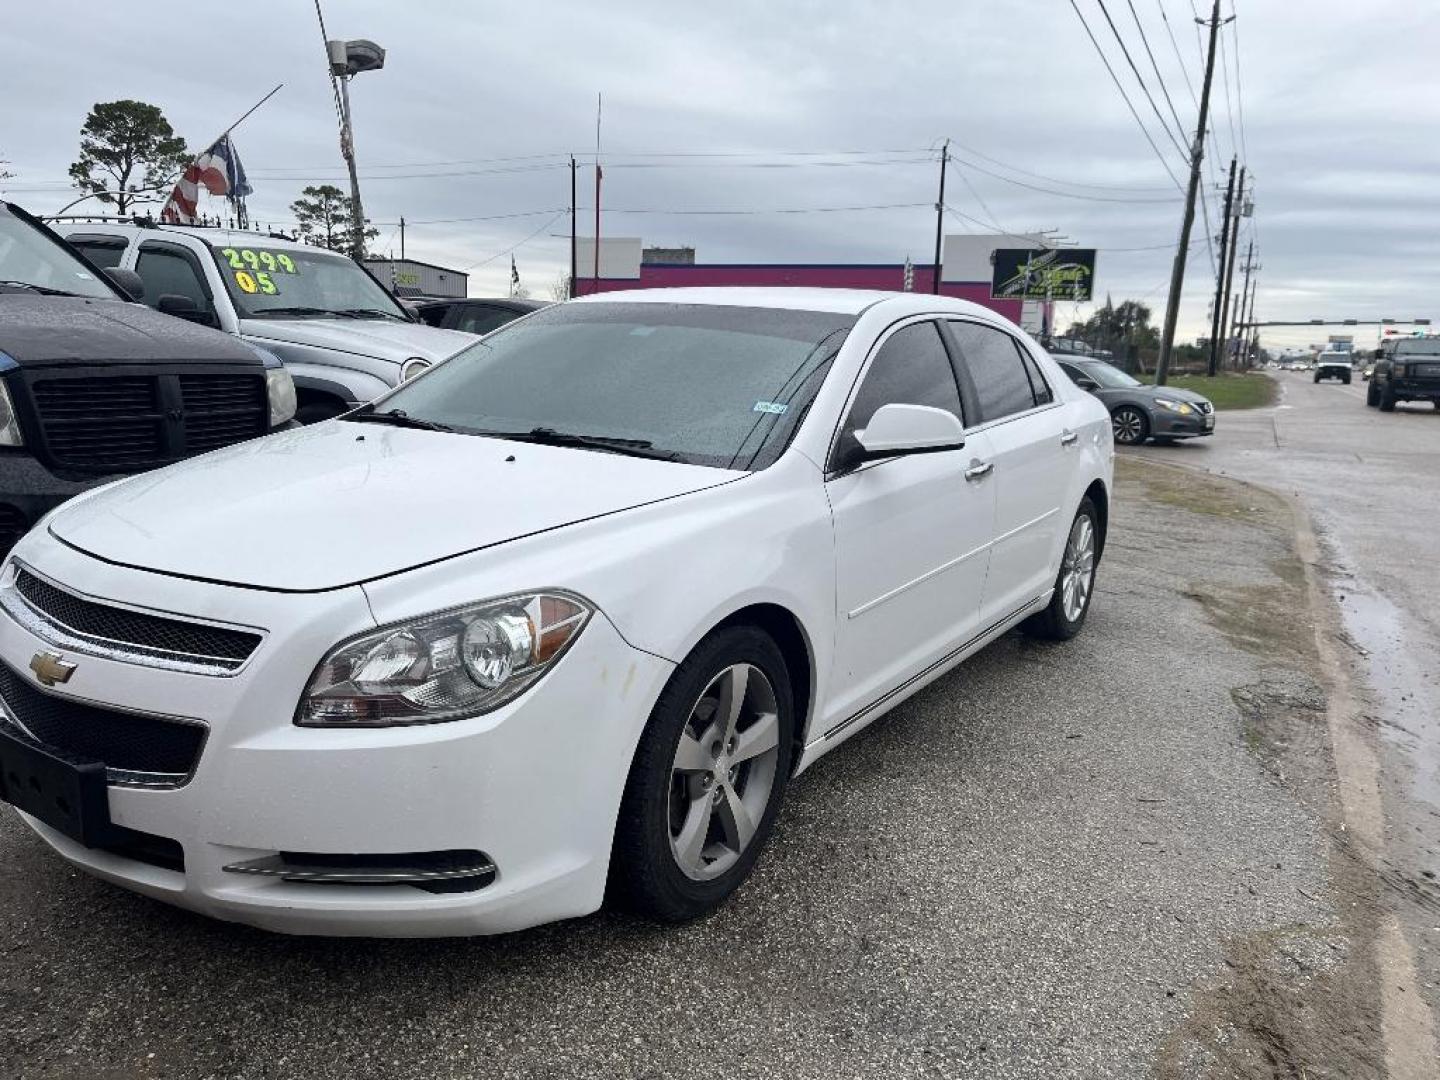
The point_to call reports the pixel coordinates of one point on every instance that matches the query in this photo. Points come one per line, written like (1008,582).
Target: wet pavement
(1371,484)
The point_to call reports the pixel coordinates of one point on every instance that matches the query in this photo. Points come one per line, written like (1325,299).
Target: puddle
(1401,674)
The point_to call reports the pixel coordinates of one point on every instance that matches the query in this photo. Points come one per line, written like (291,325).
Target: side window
(102,253)
(911,368)
(996,369)
(1038,386)
(167,272)
(1073,372)
(481,318)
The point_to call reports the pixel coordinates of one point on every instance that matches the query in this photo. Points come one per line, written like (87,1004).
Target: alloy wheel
(1127,425)
(1078,568)
(723,772)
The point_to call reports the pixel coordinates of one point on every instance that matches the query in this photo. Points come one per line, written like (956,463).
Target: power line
(769,210)
(1115,30)
(1184,70)
(1239,95)
(1061,194)
(1053,179)
(518,245)
(1116,80)
(1229,109)
(976,195)
(1144,40)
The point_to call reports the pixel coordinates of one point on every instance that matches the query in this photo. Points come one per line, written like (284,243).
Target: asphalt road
(1110,858)
(1371,483)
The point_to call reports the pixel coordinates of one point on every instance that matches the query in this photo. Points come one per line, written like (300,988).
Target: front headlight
(1181,407)
(280,388)
(445,666)
(412,367)
(9,423)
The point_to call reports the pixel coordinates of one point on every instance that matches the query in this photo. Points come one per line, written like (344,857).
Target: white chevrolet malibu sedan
(558,618)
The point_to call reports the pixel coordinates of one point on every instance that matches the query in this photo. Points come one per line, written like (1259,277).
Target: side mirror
(127,281)
(1087,384)
(910,429)
(182,307)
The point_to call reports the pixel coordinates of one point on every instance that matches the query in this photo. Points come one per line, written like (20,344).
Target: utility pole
(1216,318)
(940,215)
(574,239)
(1197,155)
(1240,329)
(598,174)
(1233,247)
(402,238)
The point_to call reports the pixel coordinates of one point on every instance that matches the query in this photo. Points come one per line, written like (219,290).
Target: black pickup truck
(1406,369)
(94,385)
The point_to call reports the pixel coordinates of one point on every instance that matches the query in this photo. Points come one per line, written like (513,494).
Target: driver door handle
(1067,438)
(979,471)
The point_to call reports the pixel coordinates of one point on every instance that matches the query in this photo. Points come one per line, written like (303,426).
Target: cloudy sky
(806,105)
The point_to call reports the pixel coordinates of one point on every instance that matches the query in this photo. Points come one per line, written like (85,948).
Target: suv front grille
(135,749)
(70,621)
(109,423)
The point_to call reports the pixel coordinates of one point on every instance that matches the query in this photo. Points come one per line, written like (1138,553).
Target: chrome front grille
(1205,407)
(102,628)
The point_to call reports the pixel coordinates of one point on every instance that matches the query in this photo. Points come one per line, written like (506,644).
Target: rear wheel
(1069,605)
(1130,425)
(1372,395)
(1345,379)
(708,778)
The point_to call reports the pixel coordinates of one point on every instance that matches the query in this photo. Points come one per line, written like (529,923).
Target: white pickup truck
(1334,364)
(341,334)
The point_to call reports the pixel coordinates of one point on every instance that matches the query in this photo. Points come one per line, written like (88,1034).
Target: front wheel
(1387,400)
(1063,618)
(1130,425)
(708,778)
(1372,396)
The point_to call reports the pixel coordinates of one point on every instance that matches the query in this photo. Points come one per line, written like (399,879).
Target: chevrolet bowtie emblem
(50,668)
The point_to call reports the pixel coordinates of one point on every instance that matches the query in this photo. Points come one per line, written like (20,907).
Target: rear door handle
(979,471)
(1067,438)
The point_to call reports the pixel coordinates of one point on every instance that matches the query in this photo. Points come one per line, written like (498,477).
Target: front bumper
(535,785)
(1172,425)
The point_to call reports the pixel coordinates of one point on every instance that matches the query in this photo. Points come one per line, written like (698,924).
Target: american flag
(219,170)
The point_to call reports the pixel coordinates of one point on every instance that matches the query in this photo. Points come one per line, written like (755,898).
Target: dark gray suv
(1139,411)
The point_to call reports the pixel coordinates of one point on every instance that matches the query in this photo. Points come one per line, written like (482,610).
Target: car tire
(1387,400)
(1372,396)
(1064,616)
(1317,376)
(1130,425)
(1345,379)
(683,815)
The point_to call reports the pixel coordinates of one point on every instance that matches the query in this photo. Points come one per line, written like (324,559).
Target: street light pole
(347,150)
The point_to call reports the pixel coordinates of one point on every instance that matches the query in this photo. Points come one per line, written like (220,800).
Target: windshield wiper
(397,418)
(43,290)
(368,313)
(613,444)
(261,313)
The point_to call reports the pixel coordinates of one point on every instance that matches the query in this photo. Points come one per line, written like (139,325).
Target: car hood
(76,330)
(1174,393)
(340,503)
(382,339)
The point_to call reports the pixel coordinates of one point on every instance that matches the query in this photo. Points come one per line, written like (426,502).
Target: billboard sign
(1056,274)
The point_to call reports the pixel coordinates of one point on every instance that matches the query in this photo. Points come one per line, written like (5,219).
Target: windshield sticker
(770,407)
(253,260)
(258,282)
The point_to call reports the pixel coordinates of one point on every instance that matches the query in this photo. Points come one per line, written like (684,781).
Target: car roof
(840,301)
(219,237)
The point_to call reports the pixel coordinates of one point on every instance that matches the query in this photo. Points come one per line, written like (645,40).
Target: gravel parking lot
(1117,857)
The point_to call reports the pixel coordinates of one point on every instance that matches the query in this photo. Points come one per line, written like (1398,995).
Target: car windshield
(30,259)
(1112,378)
(703,384)
(297,282)
(1419,347)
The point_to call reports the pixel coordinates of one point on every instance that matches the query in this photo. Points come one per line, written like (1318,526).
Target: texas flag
(219,170)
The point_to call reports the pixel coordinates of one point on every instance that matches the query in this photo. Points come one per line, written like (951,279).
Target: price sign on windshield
(254,268)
